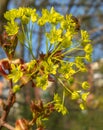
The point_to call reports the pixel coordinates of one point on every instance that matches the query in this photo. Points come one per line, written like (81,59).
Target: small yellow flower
(84,96)
(82,107)
(20,12)
(44,18)
(85,36)
(34,17)
(11,15)
(25,19)
(75,95)
(50,67)
(88,48)
(68,24)
(85,85)
(55,17)
(88,57)
(11,28)
(54,36)
(67,39)
(80,65)
(42,82)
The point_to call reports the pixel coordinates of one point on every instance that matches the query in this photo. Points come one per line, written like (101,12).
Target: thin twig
(6,109)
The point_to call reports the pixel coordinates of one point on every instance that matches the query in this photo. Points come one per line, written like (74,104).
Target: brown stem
(10,102)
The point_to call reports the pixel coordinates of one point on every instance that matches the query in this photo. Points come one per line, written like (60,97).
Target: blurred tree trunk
(3,8)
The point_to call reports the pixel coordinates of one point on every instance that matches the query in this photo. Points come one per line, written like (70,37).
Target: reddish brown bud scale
(22,124)
(5,64)
(35,107)
(2,72)
(40,128)
(8,43)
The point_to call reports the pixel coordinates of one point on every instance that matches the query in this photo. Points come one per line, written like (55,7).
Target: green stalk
(63,97)
(29,41)
(64,86)
(73,49)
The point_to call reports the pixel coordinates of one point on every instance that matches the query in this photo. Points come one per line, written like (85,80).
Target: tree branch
(3,8)
(7,106)
(6,125)
(96,29)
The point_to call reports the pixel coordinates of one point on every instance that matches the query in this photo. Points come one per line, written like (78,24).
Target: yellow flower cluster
(24,14)
(51,16)
(61,29)
(85,42)
(55,35)
(85,36)
(68,23)
(62,40)
(58,106)
(67,70)
(12,28)
(60,37)
(49,67)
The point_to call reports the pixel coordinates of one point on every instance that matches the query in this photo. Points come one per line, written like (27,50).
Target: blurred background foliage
(90,15)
